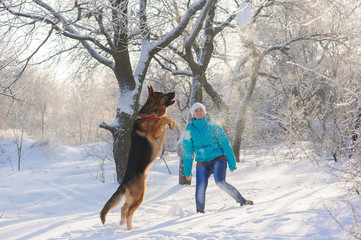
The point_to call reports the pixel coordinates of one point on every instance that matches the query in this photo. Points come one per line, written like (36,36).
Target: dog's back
(140,153)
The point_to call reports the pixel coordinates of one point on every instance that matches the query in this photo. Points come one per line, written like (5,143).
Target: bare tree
(108,33)
(307,84)
(292,49)
(18,129)
(197,52)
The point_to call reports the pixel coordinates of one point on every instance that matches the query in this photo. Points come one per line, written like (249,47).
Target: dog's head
(157,102)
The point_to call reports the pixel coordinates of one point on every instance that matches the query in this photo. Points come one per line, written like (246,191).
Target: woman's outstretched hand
(189,178)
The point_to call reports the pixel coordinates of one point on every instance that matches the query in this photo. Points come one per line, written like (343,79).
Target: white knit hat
(195,106)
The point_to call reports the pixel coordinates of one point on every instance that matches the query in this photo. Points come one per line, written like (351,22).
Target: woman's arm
(188,150)
(226,147)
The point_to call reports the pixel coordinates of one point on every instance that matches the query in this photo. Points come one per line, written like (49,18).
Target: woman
(209,142)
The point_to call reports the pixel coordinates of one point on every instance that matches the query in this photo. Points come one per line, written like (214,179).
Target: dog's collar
(149,116)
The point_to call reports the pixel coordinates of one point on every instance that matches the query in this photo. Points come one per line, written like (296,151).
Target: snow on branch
(316,37)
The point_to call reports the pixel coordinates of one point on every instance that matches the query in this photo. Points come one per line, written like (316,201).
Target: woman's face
(198,113)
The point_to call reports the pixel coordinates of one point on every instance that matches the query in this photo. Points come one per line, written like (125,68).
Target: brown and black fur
(148,136)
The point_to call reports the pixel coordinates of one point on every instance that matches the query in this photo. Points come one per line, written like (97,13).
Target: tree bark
(196,96)
(241,116)
(121,144)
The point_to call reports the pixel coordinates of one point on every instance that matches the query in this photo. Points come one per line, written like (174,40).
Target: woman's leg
(202,175)
(219,169)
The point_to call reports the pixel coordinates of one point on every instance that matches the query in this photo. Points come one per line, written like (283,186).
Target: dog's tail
(113,201)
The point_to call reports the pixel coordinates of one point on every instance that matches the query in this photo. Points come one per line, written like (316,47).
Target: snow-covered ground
(59,193)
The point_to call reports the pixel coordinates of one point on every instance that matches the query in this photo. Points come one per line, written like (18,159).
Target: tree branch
(191,38)
(29,58)
(107,126)
(191,11)
(150,49)
(173,71)
(143,21)
(66,30)
(99,18)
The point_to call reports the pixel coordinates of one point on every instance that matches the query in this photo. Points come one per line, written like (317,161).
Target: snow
(58,195)
(126,100)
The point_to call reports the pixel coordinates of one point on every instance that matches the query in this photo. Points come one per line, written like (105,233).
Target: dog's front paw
(172,125)
(171,122)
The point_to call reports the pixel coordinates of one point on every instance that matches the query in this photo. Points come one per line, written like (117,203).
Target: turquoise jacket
(207,140)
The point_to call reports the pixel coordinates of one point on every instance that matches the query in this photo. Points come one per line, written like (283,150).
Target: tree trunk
(182,180)
(121,144)
(196,96)
(123,123)
(43,111)
(121,129)
(241,116)
(237,140)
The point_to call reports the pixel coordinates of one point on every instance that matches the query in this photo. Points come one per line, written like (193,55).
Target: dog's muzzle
(170,99)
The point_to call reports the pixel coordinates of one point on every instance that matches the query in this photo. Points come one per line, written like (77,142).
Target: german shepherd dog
(147,139)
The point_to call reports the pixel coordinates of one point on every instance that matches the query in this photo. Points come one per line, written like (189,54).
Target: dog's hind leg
(131,211)
(123,214)
(135,198)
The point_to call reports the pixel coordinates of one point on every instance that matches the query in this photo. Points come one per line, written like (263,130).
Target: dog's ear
(150,90)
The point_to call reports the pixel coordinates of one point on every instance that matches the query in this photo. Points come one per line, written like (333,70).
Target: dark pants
(203,173)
